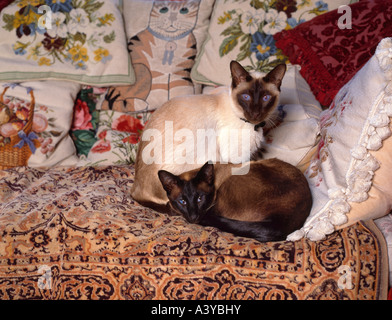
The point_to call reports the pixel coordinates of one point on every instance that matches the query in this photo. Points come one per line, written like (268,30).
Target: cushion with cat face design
(163,39)
(80,41)
(350,174)
(244,30)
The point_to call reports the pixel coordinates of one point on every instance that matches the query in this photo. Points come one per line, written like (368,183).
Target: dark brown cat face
(256,97)
(190,196)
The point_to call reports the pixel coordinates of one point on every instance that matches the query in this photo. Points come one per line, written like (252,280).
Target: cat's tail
(263,231)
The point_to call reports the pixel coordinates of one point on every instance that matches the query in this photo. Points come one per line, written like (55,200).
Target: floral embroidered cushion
(163,38)
(118,136)
(330,55)
(349,175)
(243,31)
(39,115)
(82,41)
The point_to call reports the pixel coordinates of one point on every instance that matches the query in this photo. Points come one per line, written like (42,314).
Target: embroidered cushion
(117,138)
(350,176)
(47,140)
(243,31)
(82,41)
(163,39)
(330,55)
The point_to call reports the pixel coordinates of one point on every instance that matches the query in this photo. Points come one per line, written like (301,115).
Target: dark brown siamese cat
(240,111)
(268,203)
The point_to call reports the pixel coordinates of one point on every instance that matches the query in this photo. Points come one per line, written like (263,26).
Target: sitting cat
(268,203)
(231,121)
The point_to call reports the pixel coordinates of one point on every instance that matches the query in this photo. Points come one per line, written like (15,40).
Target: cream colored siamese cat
(187,131)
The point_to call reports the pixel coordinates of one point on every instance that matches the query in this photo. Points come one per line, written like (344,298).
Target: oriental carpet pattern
(75,233)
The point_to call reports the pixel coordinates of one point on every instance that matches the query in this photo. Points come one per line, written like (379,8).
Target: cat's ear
(207,173)
(169,181)
(276,75)
(238,74)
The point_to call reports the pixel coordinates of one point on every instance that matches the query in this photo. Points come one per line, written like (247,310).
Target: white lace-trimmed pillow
(350,176)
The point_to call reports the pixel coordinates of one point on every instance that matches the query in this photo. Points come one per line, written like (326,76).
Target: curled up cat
(268,203)
(187,131)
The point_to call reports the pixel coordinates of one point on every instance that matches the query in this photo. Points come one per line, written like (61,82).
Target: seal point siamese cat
(268,203)
(244,108)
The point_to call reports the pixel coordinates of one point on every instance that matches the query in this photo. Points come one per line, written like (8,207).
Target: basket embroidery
(17,141)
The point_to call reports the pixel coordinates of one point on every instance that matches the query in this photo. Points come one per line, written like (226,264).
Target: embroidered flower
(128,124)
(82,116)
(59,28)
(288,6)
(79,20)
(263,45)
(251,20)
(51,43)
(19,48)
(102,55)
(60,5)
(78,53)
(276,21)
(101,147)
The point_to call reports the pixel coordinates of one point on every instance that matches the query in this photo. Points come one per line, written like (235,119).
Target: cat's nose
(194,219)
(173,17)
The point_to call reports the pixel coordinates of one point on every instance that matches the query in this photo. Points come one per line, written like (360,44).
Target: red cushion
(329,57)
(4,3)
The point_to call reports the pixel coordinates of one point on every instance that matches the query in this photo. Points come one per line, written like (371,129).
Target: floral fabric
(117,138)
(82,41)
(244,31)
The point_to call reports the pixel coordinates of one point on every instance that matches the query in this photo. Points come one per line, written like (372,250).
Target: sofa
(79,81)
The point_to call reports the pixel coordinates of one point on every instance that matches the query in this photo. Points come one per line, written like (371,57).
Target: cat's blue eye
(184,10)
(266,97)
(182,202)
(199,198)
(246,97)
(164,10)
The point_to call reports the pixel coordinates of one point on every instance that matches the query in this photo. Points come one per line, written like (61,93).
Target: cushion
(82,41)
(85,118)
(35,121)
(117,138)
(350,175)
(330,55)
(243,31)
(163,39)
(297,131)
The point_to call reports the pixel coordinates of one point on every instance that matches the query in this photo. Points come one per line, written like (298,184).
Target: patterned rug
(75,233)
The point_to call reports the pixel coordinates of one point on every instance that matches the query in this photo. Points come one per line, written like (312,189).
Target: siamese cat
(231,121)
(268,203)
